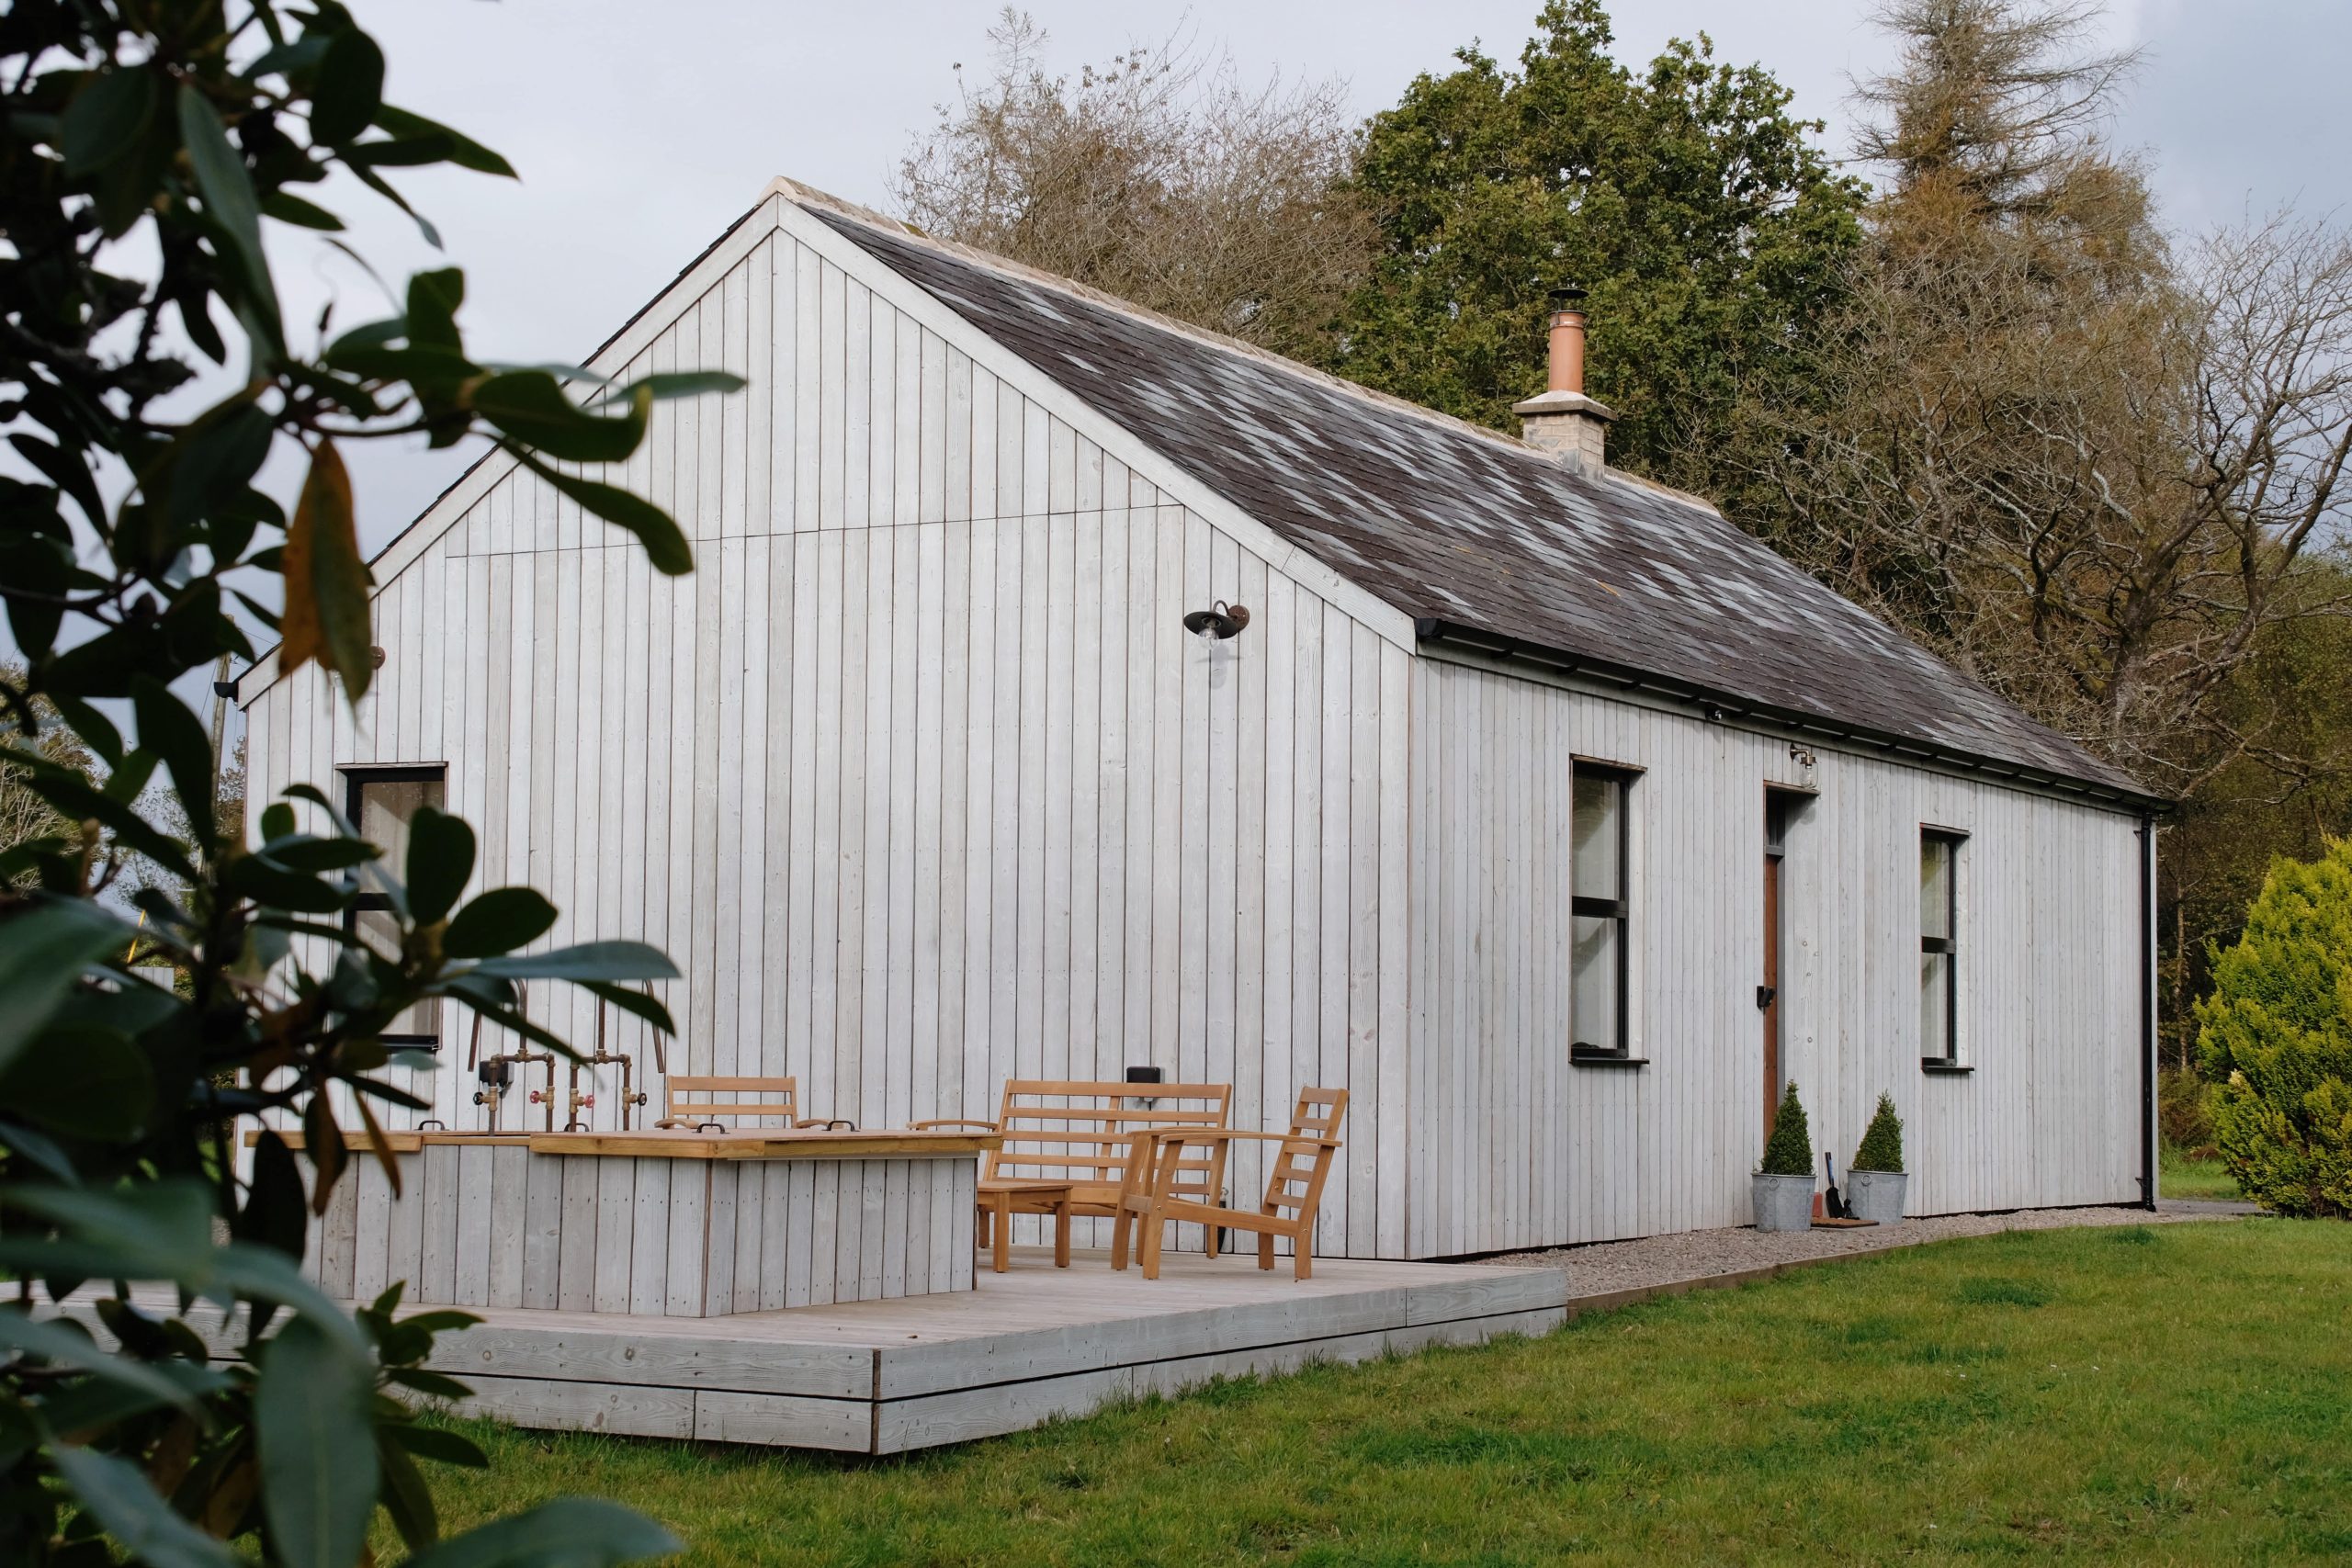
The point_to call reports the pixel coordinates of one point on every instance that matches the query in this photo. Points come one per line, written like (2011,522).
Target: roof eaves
(1511,650)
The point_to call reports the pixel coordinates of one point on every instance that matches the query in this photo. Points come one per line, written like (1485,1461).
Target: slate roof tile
(1447,522)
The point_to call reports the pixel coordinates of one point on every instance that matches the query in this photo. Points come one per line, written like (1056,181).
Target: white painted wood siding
(1514,1148)
(917,777)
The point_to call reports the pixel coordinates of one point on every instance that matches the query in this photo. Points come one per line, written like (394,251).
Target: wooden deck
(888,1376)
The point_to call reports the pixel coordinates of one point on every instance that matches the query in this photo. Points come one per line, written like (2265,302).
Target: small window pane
(386,808)
(1935,887)
(380,932)
(1593,868)
(1593,969)
(1934,1006)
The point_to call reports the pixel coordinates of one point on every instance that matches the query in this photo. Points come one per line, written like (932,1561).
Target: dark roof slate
(1450,524)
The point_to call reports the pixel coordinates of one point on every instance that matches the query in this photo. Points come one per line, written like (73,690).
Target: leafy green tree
(2277,1036)
(1788,1151)
(1706,224)
(146,150)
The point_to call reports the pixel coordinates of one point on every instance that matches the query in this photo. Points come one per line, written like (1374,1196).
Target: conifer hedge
(2276,1037)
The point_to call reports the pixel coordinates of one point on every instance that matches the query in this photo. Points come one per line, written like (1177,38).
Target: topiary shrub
(2276,1035)
(1789,1151)
(1882,1140)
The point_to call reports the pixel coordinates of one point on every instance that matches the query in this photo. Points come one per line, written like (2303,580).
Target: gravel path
(1663,1259)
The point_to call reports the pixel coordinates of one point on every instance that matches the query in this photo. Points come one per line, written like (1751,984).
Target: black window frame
(1619,910)
(1947,946)
(357,776)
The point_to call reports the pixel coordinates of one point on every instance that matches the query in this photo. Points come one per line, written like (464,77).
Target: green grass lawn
(2177,1176)
(2172,1394)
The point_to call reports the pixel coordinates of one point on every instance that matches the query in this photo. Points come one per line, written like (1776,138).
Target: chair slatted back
(1294,1184)
(1075,1130)
(688,1100)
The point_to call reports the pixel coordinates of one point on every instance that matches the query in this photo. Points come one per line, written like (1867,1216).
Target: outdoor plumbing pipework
(496,1073)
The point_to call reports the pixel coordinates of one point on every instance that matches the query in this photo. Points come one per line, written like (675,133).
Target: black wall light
(1219,621)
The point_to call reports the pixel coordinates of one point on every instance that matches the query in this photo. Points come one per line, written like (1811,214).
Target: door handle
(1764,995)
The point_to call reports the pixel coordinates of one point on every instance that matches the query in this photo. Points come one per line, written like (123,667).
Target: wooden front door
(1768,995)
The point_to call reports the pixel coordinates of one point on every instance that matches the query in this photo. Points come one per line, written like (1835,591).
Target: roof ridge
(1022,270)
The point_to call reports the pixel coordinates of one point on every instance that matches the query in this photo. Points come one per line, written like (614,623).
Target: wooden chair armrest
(1224,1134)
(951,1121)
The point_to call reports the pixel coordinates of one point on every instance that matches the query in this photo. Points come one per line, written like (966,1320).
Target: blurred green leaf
(65,470)
(287,207)
(77,1410)
(106,118)
(585,961)
(350,88)
(530,407)
(168,729)
(302,851)
(228,192)
(665,546)
(314,1427)
(570,1532)
(408,1500)
(498,922)
(276,1211)
(634,1002)
(253,877)
(439,1443)
(463,150)
(84,1082)
(54,1339)
(433,301)
(118,1497)
(665,385)
(440,861)
(43,952)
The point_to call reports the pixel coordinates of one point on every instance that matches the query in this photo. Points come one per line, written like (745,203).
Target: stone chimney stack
(1561,419)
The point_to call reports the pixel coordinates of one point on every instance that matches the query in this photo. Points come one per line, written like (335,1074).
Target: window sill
(1936,1065)
(1580,1057)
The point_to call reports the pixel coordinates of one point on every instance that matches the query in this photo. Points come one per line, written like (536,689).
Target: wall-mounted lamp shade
(1220,621)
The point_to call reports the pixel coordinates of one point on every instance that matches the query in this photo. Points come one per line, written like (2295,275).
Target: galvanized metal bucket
(1783,1202)
(1876,1195)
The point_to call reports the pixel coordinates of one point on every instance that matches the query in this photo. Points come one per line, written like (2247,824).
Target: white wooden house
(1523,782)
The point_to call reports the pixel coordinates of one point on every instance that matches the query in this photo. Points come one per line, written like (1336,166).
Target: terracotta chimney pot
(1562,419)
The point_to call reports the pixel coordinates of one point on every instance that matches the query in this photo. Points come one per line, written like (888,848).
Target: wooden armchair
(1293,1188)
(693,1102)
(1066,1148)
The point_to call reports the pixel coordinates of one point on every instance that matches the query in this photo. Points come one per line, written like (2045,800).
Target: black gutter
(1730,705)
(2147,834)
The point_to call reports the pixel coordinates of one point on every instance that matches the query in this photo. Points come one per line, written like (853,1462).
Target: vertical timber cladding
(497,1226)
(918,776)
(1525,1149)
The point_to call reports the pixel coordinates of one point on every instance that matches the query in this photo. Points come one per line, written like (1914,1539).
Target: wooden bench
(693,1102)
(1078,1134)
(1293,1189)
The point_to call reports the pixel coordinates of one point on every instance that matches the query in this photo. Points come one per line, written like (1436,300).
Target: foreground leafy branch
(172,1390)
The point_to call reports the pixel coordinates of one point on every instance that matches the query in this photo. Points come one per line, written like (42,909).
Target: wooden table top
(878,1142)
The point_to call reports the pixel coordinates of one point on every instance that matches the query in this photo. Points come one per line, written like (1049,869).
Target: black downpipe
(2147,1010)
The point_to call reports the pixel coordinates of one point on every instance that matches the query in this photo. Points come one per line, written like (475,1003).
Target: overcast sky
(640,132)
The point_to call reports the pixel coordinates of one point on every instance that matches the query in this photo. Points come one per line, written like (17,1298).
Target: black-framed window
(1599,901)
(1940,945)
(381,803)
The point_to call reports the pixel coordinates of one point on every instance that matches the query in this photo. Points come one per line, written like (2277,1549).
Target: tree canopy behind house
(1701,215)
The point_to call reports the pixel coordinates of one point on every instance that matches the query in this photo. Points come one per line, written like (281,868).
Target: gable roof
(1480,538)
